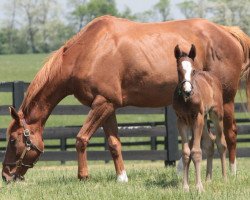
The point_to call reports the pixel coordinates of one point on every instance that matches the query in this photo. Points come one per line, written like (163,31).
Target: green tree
(230,12)
(194,8)
(84,11)
(163,9)
(227,12)
(127,13)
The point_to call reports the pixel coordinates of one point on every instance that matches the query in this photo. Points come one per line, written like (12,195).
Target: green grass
(20,67)
(147,180)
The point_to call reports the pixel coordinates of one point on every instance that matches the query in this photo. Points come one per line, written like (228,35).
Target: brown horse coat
(114,62)
(198,95)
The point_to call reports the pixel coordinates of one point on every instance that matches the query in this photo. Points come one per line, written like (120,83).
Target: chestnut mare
(197,95)
(112,63)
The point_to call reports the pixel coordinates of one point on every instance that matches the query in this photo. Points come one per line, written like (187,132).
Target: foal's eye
(12,141)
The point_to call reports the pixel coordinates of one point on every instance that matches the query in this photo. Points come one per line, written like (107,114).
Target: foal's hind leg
(208,146)
(216,117)
(111,131)
(101,110)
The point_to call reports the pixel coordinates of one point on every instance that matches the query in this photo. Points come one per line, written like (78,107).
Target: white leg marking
(122,177)
(179,168)
(233,167)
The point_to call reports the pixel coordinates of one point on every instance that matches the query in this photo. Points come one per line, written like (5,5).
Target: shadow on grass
(163,180)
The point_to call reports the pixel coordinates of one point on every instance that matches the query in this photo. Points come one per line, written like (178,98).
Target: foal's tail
(244,40)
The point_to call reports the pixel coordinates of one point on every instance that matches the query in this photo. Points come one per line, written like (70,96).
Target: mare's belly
(149,95)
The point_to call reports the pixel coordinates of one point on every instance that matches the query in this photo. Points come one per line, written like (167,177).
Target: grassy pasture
(147,180)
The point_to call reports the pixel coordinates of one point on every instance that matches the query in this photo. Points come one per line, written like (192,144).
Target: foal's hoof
(200,188)
(83,178)
(186,188)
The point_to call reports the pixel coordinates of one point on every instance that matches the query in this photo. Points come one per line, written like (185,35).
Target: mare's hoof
(122,178)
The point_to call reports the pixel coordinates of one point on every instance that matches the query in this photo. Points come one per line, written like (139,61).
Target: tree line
(41,26)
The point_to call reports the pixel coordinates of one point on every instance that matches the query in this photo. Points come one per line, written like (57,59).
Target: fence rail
(151,131)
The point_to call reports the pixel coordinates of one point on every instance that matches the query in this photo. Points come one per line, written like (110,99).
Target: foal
(197,95)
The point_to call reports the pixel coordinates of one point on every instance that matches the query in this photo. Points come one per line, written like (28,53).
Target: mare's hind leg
(101,109)
(111,130)
(230,131)
(208,147)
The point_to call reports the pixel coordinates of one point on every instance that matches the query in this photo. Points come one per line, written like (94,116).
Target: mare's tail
(244,40)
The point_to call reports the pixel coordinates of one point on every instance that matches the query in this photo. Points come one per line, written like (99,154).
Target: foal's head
(185,70)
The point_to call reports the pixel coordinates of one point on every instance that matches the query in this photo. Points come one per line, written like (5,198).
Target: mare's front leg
(101,109)
(230,131)
(183,131)
(111,130)
(196,153)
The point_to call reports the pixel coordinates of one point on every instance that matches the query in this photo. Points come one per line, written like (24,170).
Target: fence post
(18,94)
(171,139)
(63,145)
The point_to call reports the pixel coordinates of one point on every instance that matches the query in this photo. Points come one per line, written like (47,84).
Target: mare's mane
(52,68)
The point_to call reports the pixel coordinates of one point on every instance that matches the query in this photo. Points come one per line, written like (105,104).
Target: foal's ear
(177,52)
(192,52)
(14,114)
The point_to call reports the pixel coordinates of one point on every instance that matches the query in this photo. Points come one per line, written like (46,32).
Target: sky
(142,5)
(135,5)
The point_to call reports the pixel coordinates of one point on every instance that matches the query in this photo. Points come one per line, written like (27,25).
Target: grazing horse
(113,63)
(197,95)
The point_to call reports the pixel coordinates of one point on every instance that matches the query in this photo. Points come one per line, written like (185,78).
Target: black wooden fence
(151,130)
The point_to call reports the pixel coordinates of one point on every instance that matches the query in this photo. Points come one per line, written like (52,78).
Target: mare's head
(24,147)
(185,69)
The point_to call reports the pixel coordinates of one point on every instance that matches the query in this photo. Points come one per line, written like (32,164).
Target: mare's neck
(49,87)
(37,107)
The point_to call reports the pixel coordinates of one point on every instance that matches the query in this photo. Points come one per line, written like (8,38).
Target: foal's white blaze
(187,67)
(122,177)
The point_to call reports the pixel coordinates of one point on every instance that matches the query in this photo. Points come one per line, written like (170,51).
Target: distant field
(20,67)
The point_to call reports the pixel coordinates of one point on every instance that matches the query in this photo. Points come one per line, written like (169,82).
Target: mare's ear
(192,52)
(177,52)
(14,114)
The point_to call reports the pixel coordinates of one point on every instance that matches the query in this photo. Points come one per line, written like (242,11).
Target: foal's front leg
(196,153)
(183,131)
(101,110)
